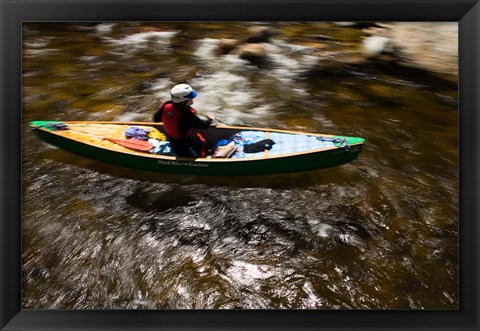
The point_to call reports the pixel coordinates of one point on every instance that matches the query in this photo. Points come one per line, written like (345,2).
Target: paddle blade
(138,145)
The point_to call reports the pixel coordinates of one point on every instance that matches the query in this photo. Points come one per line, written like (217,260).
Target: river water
(378,233)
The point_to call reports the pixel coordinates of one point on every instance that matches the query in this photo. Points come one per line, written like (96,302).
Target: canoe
(287,151)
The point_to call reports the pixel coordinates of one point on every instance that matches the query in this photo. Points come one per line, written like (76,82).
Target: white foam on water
(224,88)
(161,88)
(150,241)
(285,65)
(347,238)
(324,230)
(290,61)
(235,61)
(37,52)
(226,92)
(140,41)
(182,290)
(230,240)
(198,256)
(338,270)
(375,45)
(247,274)
(313,300)
(206,49)
(193,223)
(38,43)
(104,28)
(162,84)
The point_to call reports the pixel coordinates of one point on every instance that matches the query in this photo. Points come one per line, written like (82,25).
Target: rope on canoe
(340,142)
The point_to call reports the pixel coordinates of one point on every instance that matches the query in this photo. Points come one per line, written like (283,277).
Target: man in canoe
(180,119)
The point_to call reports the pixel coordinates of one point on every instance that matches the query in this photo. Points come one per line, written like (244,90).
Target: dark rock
(252,52)
(259,34)
(225,46)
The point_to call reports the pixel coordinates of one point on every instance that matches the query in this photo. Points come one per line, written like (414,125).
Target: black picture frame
(14,12)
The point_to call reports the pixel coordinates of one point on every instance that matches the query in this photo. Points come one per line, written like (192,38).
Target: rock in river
(254,53)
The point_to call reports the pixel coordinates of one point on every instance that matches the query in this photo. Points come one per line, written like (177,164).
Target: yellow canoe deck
(94,133)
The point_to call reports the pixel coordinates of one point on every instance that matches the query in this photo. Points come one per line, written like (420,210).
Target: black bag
(259,146)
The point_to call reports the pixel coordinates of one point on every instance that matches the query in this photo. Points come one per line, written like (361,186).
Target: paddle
(216,119)
(221,122)
(139,145)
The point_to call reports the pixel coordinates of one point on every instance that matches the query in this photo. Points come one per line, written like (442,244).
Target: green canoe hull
(296,162)
(227,167)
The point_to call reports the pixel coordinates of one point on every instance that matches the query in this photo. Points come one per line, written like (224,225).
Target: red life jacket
(171,119)
(171,116)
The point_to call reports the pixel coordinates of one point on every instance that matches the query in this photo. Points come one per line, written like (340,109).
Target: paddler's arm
(157,117)
(196,122)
